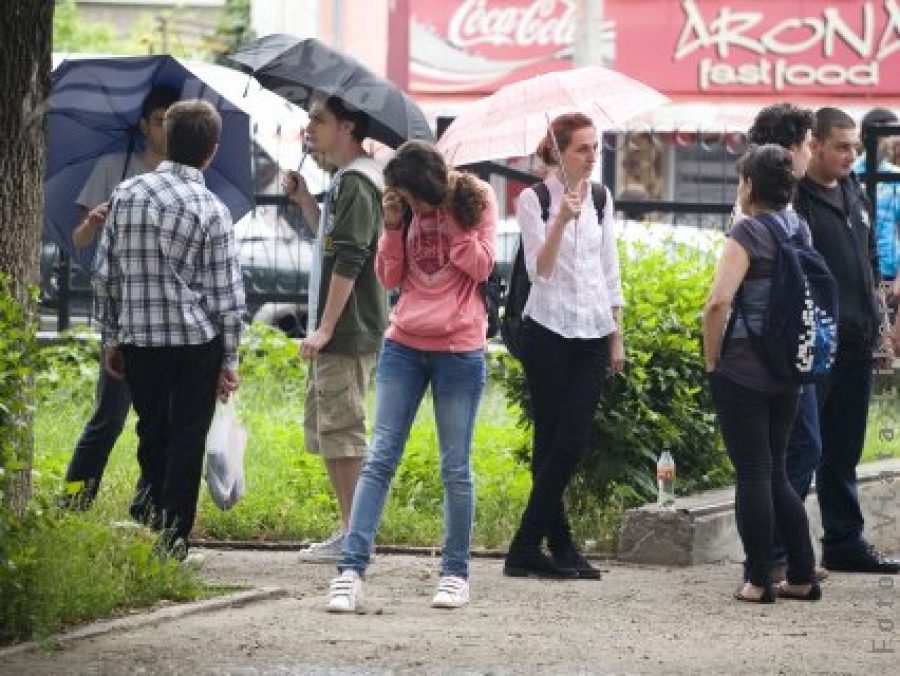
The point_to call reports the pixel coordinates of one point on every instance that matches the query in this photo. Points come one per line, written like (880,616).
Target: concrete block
(702,529)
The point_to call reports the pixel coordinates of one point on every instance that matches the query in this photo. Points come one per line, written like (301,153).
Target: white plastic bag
(225,443)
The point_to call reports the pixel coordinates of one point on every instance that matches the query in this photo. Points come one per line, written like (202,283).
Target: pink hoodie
(438,271)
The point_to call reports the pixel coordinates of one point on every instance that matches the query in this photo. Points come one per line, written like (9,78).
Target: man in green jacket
(347,306)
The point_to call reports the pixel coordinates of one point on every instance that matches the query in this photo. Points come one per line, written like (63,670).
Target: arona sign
(799,46)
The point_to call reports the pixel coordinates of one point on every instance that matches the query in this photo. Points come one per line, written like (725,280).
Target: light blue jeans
(403,373)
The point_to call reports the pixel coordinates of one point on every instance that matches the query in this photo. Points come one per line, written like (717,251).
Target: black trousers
(564,376)
(174,394)
(755,427)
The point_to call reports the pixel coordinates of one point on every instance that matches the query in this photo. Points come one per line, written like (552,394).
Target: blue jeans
(113,401)
(457,381)
(843,411)
(804,451)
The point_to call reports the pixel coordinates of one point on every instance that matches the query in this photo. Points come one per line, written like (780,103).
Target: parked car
(275,264)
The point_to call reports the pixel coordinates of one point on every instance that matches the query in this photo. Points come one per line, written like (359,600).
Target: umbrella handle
(558,152)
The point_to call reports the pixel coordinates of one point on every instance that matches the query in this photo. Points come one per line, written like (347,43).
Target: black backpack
(519,285)
(800,328)
(492,294)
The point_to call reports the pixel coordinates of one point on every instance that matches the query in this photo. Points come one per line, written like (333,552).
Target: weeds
(71,568)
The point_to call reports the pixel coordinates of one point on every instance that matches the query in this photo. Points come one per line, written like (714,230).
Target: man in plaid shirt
(170,300)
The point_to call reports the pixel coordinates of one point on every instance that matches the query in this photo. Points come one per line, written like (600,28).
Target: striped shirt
(166,272)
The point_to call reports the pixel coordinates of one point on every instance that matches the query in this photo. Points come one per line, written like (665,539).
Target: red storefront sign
(779,47)
(844,47)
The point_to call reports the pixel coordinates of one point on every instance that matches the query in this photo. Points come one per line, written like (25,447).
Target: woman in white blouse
(572,339)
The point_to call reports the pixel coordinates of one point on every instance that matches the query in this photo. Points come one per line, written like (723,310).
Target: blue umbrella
(95,107)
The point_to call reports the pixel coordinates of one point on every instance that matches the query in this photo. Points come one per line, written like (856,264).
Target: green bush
(661,401)
(17,356)
(69,568)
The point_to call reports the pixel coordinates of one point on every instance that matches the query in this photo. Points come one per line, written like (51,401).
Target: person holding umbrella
(437,256)
(572,338)
(347,308)
(112,398)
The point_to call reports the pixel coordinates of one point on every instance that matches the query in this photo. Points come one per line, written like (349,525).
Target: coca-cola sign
(845,47)
(538,23)
(467,46)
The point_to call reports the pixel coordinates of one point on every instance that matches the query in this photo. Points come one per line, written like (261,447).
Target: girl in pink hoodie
(437,247)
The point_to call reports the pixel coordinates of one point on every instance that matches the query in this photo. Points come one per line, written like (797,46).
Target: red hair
(563,127)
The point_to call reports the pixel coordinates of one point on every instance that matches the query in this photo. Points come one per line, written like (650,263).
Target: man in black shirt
(832,202)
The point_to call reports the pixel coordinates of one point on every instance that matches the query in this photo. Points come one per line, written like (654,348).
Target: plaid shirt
(166,272)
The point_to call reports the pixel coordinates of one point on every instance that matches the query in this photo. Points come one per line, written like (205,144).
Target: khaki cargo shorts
(334,418)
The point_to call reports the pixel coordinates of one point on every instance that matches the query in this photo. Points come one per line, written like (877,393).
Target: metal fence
(679,179)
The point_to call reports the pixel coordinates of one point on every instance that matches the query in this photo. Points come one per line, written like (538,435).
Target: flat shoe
(768,595)
(785,592)
(864,560)
(536,564)
(579,562)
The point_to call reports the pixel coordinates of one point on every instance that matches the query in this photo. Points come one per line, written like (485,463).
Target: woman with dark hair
(437,246)
(755,408)
(572,338)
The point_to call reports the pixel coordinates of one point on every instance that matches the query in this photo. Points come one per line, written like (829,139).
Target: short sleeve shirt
(740,360)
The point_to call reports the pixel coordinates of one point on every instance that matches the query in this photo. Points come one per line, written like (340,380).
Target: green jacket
(351,242)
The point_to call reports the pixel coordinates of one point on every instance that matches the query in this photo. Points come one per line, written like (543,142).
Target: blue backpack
(799,334)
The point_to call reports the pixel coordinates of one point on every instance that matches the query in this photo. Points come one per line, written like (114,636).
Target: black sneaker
(575,559)
(864,560)
(534,563)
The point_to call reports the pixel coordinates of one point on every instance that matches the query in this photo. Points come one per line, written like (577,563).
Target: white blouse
(576,301)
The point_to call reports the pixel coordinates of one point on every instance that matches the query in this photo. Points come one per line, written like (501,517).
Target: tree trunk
(25,82)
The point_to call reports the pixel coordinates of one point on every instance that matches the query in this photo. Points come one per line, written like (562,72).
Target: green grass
(288,494)
(73,568)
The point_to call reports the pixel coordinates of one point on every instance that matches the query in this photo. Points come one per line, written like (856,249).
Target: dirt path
(635,621)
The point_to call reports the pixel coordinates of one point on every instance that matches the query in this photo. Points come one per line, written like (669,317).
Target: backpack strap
(543,194)
(598,194)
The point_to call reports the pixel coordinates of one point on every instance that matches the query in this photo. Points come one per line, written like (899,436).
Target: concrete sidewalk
(637,620)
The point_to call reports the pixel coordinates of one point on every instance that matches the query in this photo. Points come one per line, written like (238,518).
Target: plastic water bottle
(665,481)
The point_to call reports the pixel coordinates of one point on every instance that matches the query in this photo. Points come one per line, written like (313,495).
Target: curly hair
(770,170)
(563,128)
(782,123)
(419,168)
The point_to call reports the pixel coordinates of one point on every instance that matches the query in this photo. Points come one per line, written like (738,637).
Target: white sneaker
(194,560)
(326,551)
(345,592)
(452,592)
